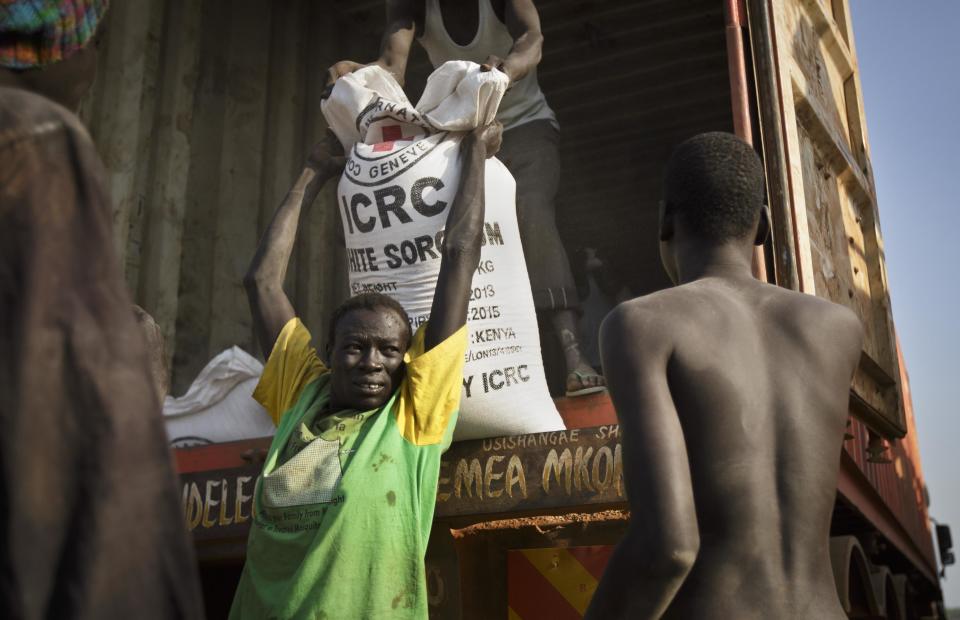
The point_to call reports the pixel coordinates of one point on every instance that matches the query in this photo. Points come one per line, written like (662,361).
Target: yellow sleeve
(292,365)
(430,394)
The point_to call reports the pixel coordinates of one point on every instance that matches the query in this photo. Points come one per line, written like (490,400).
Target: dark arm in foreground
(653,559)
(462,238)
(269,305)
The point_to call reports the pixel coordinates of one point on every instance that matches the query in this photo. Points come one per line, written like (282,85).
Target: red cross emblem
(391,135)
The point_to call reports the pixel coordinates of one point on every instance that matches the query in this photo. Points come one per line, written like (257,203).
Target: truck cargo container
(204,110)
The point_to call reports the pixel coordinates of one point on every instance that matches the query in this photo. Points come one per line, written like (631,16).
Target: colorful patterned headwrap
(34,33)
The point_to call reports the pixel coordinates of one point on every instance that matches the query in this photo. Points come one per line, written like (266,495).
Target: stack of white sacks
(218,406)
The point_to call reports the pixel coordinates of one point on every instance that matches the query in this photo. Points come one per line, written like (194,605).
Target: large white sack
(402,173)
(218,406)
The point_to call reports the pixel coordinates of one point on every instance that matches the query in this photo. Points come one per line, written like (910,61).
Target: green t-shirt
(344,506)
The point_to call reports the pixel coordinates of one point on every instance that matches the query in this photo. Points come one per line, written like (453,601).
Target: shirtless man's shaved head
(713,189)
(732,397)
(714,182)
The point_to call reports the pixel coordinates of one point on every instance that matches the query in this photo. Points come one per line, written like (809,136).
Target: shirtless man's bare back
(732,397)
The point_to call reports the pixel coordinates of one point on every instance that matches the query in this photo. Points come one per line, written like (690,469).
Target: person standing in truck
(344,506)
(505,34)
(90,516)
(732,397)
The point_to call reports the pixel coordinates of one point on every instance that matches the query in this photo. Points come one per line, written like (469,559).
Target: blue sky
(908,54)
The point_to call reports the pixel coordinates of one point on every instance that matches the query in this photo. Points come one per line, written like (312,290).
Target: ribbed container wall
(203,112)
(629,81)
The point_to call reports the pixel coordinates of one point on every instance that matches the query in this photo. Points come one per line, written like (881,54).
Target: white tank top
(524,102)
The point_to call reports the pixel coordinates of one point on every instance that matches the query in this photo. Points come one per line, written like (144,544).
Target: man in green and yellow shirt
(343,508)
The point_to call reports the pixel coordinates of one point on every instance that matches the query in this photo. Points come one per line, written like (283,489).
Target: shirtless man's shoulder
(650,320)
(821,325)
(664,316)
(641,315)
(806,304)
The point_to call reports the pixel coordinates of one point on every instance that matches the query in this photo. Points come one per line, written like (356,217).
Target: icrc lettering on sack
(401,175)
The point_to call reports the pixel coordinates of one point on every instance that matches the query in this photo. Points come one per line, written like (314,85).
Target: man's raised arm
(269,305)
(653,559)
(462,238)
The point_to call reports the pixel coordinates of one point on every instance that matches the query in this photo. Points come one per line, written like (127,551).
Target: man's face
(366,360)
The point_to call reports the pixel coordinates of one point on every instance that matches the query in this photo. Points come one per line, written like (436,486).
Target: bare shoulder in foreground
(688,308)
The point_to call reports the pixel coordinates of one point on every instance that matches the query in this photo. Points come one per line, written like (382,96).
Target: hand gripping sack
(402,173)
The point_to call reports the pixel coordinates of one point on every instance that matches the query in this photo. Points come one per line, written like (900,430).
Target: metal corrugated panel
(629,81)
(202,113)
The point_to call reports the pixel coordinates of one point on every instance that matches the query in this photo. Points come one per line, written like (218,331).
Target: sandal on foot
(583,391)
